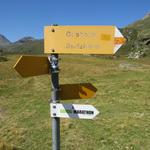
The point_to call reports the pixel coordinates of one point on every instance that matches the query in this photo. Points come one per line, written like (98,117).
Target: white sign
(73,111)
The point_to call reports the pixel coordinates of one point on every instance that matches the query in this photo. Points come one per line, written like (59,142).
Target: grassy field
(123,98)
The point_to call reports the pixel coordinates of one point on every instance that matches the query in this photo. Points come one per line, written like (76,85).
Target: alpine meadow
(122,97)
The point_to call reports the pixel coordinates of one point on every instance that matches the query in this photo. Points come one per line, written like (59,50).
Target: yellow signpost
(28,66)
(73,40)
(77,91)
(82,39)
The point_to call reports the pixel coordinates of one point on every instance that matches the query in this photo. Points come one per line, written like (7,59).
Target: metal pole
(54,68)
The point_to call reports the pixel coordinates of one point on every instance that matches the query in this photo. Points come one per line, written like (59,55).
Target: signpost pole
(55,99)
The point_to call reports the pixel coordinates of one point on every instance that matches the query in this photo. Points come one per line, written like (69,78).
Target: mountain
(26,47)
(137,35)
(138,38)
(4,41)
(24,40)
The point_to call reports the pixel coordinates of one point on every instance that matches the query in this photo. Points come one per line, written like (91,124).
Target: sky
(20,18)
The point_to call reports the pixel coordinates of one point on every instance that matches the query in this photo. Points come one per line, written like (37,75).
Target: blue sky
(19,18)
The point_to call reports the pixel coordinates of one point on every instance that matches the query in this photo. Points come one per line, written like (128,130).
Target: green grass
(123,98)
(3,59)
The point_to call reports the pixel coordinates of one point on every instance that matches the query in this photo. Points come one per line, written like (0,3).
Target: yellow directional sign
(77,91)
(28,66)
(82,39)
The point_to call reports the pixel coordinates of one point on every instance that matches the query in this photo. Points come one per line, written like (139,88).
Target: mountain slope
(143,26)
(26,47)
(138,38)
(24,40)
(4,41)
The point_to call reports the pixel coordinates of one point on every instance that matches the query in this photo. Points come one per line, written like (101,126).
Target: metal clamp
(54,63)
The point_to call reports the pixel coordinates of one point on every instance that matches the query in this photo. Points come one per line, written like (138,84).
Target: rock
(24,40)
(136,55)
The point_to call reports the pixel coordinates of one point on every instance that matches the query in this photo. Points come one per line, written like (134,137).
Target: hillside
(24,40)
(25,47)
(4,41)
(138,38)
(143,26)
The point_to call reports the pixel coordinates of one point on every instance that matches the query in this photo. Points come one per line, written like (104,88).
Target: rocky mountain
(4,41)
(138,38)
(24,40)
(26,47)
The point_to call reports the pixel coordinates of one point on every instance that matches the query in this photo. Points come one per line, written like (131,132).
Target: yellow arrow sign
(82,39)
(28,66)
(77,91)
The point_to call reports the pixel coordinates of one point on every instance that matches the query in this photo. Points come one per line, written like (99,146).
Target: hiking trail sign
(82,39)
(28,66)
(73,111)
(73,40)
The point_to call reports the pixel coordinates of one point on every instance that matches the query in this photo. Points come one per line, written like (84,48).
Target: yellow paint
(79,39)
(28,66)
(77,91)
(106,37)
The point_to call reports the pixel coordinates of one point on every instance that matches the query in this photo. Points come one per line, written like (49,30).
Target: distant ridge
(24,40)
(4,41)
(25,45)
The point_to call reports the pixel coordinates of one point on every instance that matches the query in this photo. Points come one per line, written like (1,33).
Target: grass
(123,98)
(2,59)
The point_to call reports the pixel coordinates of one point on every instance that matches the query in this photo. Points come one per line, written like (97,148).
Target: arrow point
(119,40)
(96,112)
